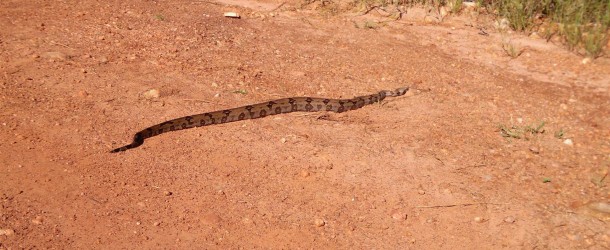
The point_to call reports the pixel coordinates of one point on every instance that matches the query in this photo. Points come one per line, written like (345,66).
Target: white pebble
(509,219)
(151,94)
(398,215)
(7,232)
(231,14)
(568,142)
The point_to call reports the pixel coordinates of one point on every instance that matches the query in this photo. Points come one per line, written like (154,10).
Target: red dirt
(426,170)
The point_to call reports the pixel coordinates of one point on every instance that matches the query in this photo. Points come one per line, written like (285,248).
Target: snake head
(401,91)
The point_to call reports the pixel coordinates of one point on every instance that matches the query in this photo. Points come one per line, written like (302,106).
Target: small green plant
(594,41)
(240,91)
(370,25)
(160,17)
(535,129)
(560,134)
(546,180)
(512,50)
(456,6)
(521,132)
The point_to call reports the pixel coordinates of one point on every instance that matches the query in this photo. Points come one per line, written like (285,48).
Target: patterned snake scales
(260,110)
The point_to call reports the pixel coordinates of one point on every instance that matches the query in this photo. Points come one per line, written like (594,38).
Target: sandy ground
(427,170)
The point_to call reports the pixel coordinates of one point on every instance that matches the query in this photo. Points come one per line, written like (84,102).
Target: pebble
(509,219)
(283,140)
(535,150)
(587,60)
(319,222)
(568,142)
(535,35)
(38,220)
(210,219)
(156,224)
(421,192)
(167,193)
(247,221)
(399,216)
(83,93)
(55,55)
(232,14)
(478,219)
(7,232)
(304,173)
(151,94)
(103,60)
(600,206)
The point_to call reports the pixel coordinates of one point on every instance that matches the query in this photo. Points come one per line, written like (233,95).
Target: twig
(279,6)
(463,204)
(206,101)
(60,44)
(369,10)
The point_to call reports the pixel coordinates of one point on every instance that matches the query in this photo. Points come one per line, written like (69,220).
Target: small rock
(421,192)
(151,94)
(217,95)
(283,140)
(304,173)
(600,206)
(156,224)
(83,93)
(215,85)
(535,150)
(478,219)
(399,216)
(38,220)
(535,35)
(103,60)
(167,193)
(7,232)
(509,219)
(231,15)
(247,221)
(568,142)
(210,219)
(55,55)
(587,60)
(319,222)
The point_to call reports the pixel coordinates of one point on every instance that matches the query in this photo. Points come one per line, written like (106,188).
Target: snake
(260,110)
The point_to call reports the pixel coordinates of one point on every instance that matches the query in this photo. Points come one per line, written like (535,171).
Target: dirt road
(439,167)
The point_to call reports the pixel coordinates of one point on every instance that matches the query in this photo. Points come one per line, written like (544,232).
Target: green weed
(521,132)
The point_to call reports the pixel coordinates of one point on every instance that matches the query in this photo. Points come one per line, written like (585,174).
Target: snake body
(260,110)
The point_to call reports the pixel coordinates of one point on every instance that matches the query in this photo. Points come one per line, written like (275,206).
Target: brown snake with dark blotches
(260,110)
